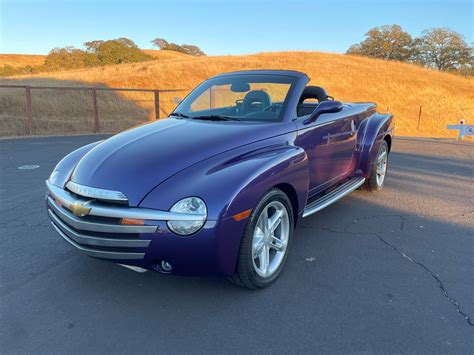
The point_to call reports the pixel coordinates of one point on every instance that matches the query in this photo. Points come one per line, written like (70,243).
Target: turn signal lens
(242,215)
(132,221)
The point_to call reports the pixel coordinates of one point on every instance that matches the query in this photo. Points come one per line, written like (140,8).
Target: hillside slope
(21,60)
(163,54)
(396,87)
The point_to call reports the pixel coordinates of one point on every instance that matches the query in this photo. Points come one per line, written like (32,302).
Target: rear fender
(375,128)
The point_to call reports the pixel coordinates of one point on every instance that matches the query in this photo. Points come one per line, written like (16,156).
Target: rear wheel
(265,242)
(376,179)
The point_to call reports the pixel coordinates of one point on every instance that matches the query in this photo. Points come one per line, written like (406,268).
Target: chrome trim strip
(142,213)
(80,224)
(333,196)
(103,242)
(98,253)
(94,192)
(101,210)
(61,195)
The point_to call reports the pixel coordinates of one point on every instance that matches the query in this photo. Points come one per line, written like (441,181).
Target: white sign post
(464,129)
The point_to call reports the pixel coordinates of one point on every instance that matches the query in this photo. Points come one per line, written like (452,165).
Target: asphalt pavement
(387,272)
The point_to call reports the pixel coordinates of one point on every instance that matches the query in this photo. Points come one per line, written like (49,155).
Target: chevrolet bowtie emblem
(80,209)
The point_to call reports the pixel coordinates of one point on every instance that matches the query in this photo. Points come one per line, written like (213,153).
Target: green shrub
(97,53)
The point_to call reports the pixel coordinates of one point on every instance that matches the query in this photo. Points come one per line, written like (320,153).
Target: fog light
(166,266)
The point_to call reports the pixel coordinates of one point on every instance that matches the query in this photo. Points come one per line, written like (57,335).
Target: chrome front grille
(86,225)
(93,225)
(114,241)
(92,240)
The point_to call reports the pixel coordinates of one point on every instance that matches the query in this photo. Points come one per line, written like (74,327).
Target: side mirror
(325,107)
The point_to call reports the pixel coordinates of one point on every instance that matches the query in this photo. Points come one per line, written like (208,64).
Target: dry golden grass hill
(21,60)
(396,87)
(163,54)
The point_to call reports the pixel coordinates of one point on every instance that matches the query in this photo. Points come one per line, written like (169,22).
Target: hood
(136,161)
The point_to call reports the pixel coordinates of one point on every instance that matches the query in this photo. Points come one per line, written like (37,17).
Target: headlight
(53,178)
(190,206)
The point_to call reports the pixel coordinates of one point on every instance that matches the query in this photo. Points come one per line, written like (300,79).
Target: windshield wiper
(178,114)
(215,118)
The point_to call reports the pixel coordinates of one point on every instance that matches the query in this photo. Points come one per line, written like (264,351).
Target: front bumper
(99,234)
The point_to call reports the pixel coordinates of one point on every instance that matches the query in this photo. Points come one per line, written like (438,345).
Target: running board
(333,196)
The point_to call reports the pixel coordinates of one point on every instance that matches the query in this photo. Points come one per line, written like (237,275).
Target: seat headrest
(255,96)
(314,92)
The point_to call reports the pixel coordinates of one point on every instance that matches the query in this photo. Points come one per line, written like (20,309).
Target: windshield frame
(183,107)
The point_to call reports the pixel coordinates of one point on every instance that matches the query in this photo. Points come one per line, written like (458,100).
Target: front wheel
(376,179)
(265,242)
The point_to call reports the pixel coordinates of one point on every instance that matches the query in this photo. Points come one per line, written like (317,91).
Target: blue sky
(221,27)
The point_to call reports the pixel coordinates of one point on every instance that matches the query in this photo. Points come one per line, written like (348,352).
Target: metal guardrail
(93,89)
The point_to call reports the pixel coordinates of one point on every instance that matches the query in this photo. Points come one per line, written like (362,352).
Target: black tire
(373,184)
(245,274)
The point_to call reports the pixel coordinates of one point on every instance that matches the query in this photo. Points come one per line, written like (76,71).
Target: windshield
(257,97)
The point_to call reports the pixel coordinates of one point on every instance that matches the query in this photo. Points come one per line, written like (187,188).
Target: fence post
(29,110)
(419,117)
(157,104)
(95,111)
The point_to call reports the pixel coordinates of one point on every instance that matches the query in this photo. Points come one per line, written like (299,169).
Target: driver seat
(253,97)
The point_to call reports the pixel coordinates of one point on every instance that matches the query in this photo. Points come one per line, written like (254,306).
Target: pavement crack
(11,208)
(432,274)
(332,230)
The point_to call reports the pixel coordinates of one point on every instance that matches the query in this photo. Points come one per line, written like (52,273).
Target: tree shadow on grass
(65,111)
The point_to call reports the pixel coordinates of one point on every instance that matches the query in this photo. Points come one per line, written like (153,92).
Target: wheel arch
(286,170)
(388,139)
(375,129)
(292,195)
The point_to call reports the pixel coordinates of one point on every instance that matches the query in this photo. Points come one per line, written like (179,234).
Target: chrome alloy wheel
(270,239)
(382,164)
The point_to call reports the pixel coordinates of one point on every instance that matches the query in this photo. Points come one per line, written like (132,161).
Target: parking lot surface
(376,272)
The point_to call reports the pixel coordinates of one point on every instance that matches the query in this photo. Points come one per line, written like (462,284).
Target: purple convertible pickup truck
(218,187)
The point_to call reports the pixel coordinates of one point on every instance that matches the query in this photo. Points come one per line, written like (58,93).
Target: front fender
(67,164)
(234,182)
(375,128)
